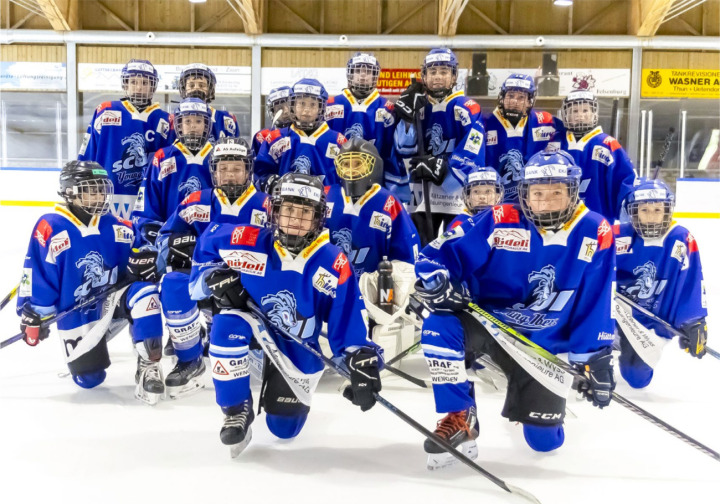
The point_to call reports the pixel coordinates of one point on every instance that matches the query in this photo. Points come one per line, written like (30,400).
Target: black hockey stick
(663,153)
(404,353)
(9,297)
(571,370)
(665,324)
(397,412)
(425,183)
(59,316)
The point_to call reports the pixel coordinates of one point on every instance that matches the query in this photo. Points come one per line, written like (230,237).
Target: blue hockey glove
(694,338)
(600,379)
(439,293)
(364,366)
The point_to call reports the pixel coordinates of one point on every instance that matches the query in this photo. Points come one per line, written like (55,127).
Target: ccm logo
(545,416)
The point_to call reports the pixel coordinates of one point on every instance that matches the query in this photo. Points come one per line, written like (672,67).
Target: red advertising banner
(393,81)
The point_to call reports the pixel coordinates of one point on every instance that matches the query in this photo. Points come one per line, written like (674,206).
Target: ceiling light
(563,3)
(203,1)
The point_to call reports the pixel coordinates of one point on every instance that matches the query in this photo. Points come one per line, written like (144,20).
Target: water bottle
(386,287)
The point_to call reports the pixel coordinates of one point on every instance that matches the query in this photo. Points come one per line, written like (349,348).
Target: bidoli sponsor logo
(514,240)
(252,263)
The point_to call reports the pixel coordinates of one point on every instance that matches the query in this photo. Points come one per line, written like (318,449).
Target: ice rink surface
(59,443)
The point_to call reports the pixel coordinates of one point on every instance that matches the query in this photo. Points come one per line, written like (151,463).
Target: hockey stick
(9,297)
(59,316)
(663,153)
(571,370)
(393,409)
(425,183)
(665,324)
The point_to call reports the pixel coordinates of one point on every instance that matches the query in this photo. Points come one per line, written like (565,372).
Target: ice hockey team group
(244,250)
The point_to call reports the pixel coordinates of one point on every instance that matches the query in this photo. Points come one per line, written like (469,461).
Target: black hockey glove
(411,101)
(600,380)
(142,265)
(180,250)
(30,326)
(227,289)
(364,366)
(149,232)
(694,338)
(442,294)
(431,168)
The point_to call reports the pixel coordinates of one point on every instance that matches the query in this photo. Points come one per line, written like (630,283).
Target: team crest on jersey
(356,130)
(302,164)
(511,164)
(325,282)
(283,313)
(190,186)
(646,286)
(343,239)
(129,168)
(436,144)
(95,275)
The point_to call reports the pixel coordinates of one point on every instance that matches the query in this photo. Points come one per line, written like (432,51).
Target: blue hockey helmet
(139,82)
(195,89)
(517,82)
(192,123)
(543,200)
(650,206)
(439,57)
(362,73)
(307,104)
(279,100)
(482,189)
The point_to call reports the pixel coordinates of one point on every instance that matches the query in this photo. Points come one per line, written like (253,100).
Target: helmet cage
(482,179)
(289,200)
(362,64)
(197,71)
(571,110)
(83,194)
(307,124)
(139,69)
(231,152)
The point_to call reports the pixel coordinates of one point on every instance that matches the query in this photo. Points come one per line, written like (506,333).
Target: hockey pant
(291,373)
(452,342)
(182,316)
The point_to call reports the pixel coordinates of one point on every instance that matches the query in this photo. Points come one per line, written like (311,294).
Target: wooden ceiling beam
(646,16)
(489,21)
(113,16)
(251,14)
(57,11)
(449,13)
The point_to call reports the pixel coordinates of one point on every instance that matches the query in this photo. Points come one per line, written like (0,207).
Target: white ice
(59,443)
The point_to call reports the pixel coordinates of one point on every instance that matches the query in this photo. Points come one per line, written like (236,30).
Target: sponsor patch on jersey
(258,218)
(245,261)
(474,141)
(195,213)
(703,294)
(26,283)
(602,155)
(505,214)
(59,243)
(229,123)
(278,147)
(605,235)
(544,117)
(392,207)
(622,245)
(193,197)
(244,235)
(679,251)
(462,115)
(43,232)
(334,112)
(332,151)
(492,138)
(108,118)
(380,221)
(163,128)
(140,201)
(103,106)
(451,234)
(123,234)
(514,240)
(614,144)
(329,209)
(230,368)
(342,266)
(473,106)
(587,249)
(384,116)
(325,282)
(543,133)
(167,167)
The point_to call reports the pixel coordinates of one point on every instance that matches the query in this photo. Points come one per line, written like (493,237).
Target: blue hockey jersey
(296,293)
(259,139)
(173,175)
(509,148)
(461,219)
(607,172)
(376,225)
(291,150)
(224,124)
(452,129)
(663,275)
(556,288)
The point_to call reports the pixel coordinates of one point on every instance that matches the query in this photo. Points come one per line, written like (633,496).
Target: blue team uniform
(224,124)
(452,129)
(460,219)
(509,148)
(376,225)
(123,141)
(291,150)
(607,172)
(259,139)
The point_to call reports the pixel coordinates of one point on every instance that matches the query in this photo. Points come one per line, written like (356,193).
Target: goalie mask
(85,185)
(363,71)
(483,189)
(297,210)
(307,104)
(279,101)
(517,97)
(439,72)
(192,123)
(231,167)
(359,166)
(650,206)
(139,82)
(197,81)
(580,112)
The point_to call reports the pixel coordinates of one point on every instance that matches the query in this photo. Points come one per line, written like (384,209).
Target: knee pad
(544,438)
(285,427)
(638,375)
(90,380)
(143,305)
(278,399)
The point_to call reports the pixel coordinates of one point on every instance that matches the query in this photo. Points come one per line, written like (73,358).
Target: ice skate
(236,431)
(149,386)
(460,430)
(185,378)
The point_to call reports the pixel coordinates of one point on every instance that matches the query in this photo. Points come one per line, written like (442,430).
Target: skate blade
(438,461)
(190,388)
(146,397)
(237,449)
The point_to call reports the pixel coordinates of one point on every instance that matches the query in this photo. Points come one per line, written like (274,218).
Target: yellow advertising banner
(679,83)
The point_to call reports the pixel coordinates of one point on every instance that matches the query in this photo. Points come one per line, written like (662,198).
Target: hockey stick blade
(9,297)
(394,410)
(403,354)
(277,117)
(663,153)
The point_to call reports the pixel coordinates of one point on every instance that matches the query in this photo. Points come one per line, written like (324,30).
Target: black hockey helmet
(229,177)
(85,185)
(297,210)
(359,166)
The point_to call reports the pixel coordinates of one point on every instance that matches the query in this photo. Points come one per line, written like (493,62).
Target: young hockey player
(299,280)
(75,252)
(482,190)
(176,171)
(360,111)
(198,81)
(277,108)
(308,145)
(544,267)
(124,135)
(658,267)
(234,199)
(608,174)
(453,140)
(515,131)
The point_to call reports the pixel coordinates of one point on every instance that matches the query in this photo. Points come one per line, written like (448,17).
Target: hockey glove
(431,168)
(30,326)
(149,232)
(439,293)
(227,289)
(694,338)
(180,250)
(364,366)
(600,380)
(411,101)
(142,265)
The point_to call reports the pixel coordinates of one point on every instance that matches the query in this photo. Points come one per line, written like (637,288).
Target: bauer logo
(196,213)
(514,240)
(325,282)
(251,263)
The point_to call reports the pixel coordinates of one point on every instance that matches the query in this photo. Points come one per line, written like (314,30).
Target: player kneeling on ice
(77,251)
(544,267)
(483,189)
(658,267)
(234,199)
(298,279)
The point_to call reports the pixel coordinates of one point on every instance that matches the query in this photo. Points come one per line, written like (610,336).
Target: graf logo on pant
(195,213)
(95,275)
(129,168)
(108,118)
(646,287)
(325,282)
(167,167)
(512,239)
(283,313)
(251,263)
(190,186)
(123,234)
(59,243)
(230,368)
